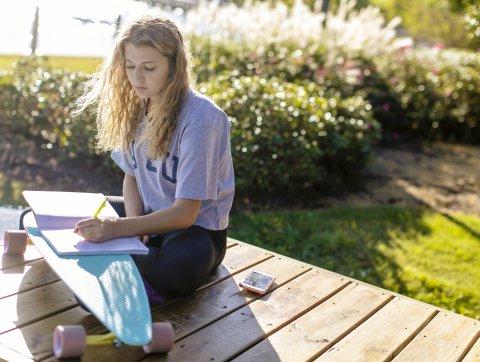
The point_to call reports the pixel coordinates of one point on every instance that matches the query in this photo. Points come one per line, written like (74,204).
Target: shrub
(289,139)
(285,137)
(415,93)
(285,61)
(438,94)
(37,100)
(428,21)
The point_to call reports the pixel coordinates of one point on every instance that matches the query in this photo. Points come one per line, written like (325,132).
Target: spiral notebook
(56,214)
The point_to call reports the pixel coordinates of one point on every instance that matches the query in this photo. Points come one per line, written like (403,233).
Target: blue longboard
(110,286)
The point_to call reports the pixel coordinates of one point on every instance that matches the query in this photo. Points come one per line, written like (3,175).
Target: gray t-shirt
(198,164)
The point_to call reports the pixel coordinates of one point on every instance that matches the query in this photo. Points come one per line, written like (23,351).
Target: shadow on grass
(347,241)
(464,226)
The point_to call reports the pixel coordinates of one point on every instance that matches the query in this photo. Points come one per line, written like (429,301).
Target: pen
(100,208)
(97,211)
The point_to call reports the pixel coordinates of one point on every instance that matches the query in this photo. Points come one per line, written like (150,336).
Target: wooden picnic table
(309,314)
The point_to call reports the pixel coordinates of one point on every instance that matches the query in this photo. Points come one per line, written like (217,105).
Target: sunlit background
(66,27)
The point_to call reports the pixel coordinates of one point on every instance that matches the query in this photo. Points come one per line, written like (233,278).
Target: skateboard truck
(104,339)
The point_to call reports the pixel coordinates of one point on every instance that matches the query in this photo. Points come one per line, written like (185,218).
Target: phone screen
(257,280)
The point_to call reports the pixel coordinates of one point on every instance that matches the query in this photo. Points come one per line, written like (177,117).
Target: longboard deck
(110,286)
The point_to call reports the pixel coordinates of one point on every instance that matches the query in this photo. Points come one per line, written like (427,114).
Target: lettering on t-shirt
(150,167)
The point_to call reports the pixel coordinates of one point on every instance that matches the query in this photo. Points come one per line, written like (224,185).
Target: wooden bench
(309,314)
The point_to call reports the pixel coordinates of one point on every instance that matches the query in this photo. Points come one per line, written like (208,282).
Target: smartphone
(257,282)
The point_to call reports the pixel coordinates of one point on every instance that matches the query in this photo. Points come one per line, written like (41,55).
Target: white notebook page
(57,213)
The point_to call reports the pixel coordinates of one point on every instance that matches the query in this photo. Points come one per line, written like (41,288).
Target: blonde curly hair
(119,109)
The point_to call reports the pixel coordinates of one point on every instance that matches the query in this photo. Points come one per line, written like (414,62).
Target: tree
(472,19)
(461,5)
(471,13)
(33,44)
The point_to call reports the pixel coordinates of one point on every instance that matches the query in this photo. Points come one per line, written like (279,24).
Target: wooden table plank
(56,297)
(237,258)
(347,278)
(238,331)
(445,338)
(26,277)
(188,315)
(6,354)
(296,321)
(31,254)
(315,332)
(36,340)
(474,353)
(384,334)
(24,308)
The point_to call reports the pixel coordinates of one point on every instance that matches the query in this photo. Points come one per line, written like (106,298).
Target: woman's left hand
(96,230)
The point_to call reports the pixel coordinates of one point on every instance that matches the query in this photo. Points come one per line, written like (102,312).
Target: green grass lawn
(83,64)
(413,251)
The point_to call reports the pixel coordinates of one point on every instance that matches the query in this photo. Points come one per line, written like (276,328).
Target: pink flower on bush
(320,72)
(347,64)
(439,45)
(386,107)
(394,80)
(396,136)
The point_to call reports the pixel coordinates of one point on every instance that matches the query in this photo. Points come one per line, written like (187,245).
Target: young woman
(173,144)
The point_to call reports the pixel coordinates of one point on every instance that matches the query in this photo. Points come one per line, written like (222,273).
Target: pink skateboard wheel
(15,242)
(69,341)
(163,337)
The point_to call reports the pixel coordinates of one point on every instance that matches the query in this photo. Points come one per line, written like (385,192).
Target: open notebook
(57,213)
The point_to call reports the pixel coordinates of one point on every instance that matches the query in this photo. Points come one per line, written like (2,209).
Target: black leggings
(178,262)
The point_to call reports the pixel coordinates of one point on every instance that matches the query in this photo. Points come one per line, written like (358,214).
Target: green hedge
(414,94)
(36,100)
(284,61)
(286,137)
(439,99)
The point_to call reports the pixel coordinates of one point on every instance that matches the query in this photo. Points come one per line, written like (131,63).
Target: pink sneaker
(153,296)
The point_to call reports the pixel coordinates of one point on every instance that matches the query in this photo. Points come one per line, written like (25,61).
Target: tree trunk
(33,44)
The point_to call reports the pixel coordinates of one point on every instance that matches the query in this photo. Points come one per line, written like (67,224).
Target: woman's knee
(183,264)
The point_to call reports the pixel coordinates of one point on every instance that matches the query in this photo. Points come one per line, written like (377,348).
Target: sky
(59,33)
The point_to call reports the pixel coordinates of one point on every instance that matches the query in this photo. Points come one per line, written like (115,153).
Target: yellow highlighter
(100,208)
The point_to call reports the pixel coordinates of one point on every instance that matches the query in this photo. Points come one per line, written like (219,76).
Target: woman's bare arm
(180,215)
(131,196)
